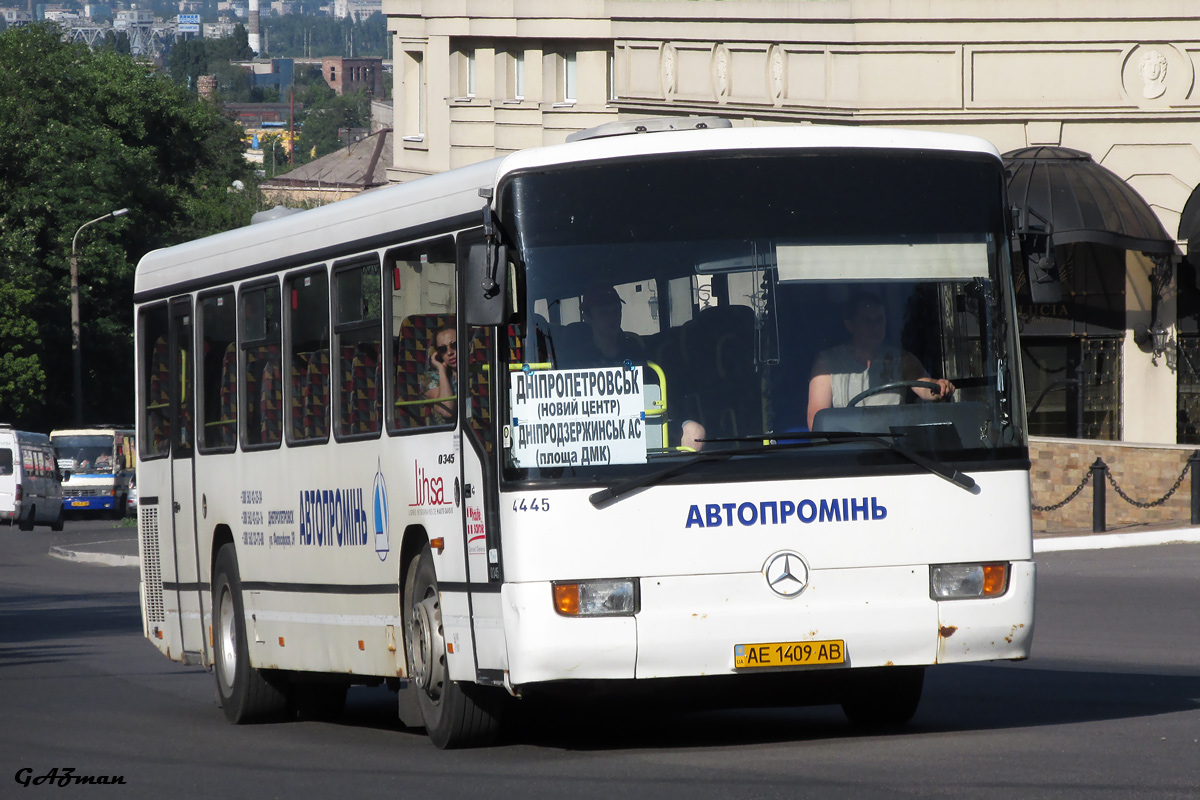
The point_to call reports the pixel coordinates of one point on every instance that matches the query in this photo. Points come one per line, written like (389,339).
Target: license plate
(789,654)
(79,503)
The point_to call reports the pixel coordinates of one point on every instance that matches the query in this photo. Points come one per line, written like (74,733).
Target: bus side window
(218,374)
(308,356)
(155,377)
(262,376)
(358,326)
(424,336)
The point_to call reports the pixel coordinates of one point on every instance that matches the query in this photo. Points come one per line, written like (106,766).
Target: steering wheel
(888,387)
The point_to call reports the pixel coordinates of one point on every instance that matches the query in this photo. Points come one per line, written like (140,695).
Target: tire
(57,524)
(884,697)
(27,523)
(455,714)
(118,510)
(244,693)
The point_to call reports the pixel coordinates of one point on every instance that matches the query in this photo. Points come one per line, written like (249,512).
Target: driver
(842,372)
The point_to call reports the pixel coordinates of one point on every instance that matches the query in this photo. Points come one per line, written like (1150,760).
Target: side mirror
(485,284)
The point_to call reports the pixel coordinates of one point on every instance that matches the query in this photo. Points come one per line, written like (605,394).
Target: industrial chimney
(254,40)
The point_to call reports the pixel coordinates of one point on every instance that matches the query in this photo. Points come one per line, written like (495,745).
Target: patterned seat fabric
(226,435)
(316,395)
(270,398)
(158,400)
(363,403)
(413,353)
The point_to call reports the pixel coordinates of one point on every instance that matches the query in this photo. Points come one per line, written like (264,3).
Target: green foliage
(296,36)
(192,58)
(81,134)
(319,136)
(22,378)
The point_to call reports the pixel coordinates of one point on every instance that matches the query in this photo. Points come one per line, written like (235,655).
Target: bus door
(480,489)
(182,506)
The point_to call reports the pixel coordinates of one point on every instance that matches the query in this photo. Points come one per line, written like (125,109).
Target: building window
(515,76)
(465,64)
(1073,386)
(570,85)
(414,96)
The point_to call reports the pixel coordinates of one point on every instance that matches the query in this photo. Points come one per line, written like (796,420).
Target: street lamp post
(76,359)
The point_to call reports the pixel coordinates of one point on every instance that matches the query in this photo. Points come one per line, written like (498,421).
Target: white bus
(98,462)
(400,438)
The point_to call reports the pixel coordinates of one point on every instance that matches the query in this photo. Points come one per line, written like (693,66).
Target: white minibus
(30,491)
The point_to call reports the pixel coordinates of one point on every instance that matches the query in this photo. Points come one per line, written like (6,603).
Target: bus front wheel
(455,714)
(245,694)
(882,697)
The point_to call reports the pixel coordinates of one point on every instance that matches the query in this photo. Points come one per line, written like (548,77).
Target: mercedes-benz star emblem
(786,573)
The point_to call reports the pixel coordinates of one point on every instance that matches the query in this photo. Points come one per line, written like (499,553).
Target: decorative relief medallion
(667,70)
(721,77)
(1153,75)
(1153,68)
(776,72)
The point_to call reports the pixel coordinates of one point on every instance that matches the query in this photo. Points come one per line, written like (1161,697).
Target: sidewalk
(1176,532)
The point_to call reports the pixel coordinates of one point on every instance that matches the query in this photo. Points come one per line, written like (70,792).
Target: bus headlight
(614,598)
(961,581)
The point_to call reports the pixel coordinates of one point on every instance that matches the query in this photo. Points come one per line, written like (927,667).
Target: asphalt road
(1108,707)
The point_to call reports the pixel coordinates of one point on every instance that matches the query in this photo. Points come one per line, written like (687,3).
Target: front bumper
(689,625)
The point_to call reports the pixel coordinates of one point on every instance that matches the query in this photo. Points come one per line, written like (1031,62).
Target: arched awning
(1189,225)
(1083,201)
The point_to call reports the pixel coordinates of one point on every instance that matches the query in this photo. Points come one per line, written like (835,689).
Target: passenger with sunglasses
(441,379)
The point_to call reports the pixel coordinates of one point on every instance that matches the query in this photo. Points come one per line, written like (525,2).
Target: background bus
(99,464)
(392,438)
(30,491)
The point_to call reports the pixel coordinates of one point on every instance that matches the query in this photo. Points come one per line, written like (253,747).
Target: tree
(320,134)
(81,134)
(187,62)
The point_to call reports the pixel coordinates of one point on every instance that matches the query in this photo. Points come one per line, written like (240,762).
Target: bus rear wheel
(245,694)
(27,523)
(883,697)
(455,714)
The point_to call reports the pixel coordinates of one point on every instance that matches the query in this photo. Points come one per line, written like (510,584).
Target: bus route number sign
(789,654)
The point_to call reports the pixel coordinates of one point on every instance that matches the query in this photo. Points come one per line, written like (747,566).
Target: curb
(106,559)
(1108,541)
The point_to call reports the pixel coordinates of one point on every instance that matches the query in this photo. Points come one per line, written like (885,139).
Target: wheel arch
(222,535)
(412,542)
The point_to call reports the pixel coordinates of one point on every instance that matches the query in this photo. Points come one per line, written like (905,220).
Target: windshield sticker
(577,417)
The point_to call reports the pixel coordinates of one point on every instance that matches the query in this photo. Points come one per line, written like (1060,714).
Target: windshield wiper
(790,441)
(612,493)
(884,438)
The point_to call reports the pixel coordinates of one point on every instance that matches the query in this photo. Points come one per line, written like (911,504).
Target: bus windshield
(816,310)
(91,454)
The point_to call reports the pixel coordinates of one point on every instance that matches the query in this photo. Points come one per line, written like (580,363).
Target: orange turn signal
(995,579)
(438,544)
(566,598)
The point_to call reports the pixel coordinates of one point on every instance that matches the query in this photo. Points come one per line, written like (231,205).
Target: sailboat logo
(380,504)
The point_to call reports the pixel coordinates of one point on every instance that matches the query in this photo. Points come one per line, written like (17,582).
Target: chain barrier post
(1194,463)
(1098,511)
